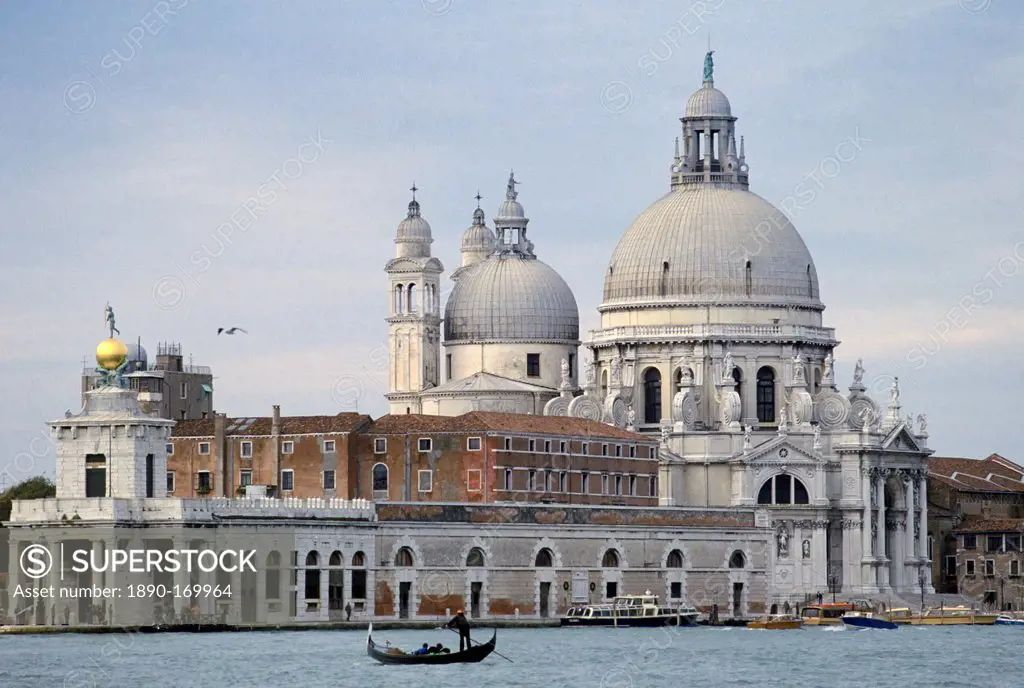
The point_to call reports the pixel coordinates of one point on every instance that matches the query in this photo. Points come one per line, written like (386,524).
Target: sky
(131,133)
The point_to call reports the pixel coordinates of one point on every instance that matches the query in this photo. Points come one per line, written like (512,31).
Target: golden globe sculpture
(111,353)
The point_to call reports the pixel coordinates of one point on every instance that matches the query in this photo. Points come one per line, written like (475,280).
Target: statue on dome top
(709,66)
(858,372)
(510,191)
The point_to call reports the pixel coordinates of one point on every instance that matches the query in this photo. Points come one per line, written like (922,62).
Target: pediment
(779,451)
(410,264)
(901,439)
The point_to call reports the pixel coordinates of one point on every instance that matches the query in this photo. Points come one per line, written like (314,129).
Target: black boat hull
(477,653)
(634,622)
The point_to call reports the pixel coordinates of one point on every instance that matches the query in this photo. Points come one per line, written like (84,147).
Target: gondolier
(460,622)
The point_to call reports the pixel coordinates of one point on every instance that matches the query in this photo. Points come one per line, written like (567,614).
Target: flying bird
(230,330)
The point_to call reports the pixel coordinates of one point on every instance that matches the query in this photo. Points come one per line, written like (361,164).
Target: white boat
(632,610)
(1010,619)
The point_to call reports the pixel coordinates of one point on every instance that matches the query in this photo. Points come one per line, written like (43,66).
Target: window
(533,445)
(288,447)
(150,466)
(563,482)
(618,484)
(610,560)
(611,589)
(783,489)
(547,446)
(1014,568)
(561,447)
(654,486)
(380,445)
(632,451)
(572,365)
(585,448)
(508,478)
(604,484)
(652,395)
(990,567)
(272,586)
(632,485)
(204,448)
(473,444)
(380,478)
(533,365)
(204,482)
(404,557)
(585,484)
(359,576)
(169,448)
(675,560)
(544,559)
(1012,543)
(604,450)
(245,478)
(448,365)
(170,482)
(531,483)
(949,565)
(549,478)
(426,480)
(970,542)
(738,560)
(329,479)
(766,395)
(328,446)
(677,591)
(508,444)
(288,480)
(618,450)
(969,567)
(184,390)
(475,557)
(246,449)
(995,543)
(474,480)
(424,444)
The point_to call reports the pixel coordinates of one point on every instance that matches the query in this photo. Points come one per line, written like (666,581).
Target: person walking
(460,622)
(348,611)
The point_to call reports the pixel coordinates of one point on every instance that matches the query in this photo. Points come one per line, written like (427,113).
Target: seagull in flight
(230,330)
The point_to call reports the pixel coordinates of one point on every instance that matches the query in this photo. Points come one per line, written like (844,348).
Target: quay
(296,626)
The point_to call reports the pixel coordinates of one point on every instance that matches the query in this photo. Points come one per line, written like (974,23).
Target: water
(549,658)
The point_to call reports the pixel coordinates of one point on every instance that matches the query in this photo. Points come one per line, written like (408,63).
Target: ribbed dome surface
(708,102)
(692,246)
(511,297)
(478,238)
(413,227)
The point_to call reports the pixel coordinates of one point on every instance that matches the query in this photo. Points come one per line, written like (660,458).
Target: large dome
(511,297)
(694,245)
(708,102)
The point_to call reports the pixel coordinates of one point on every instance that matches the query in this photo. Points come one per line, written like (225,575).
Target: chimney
(275,435)
(220,455)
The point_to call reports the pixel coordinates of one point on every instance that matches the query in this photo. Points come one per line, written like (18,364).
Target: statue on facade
(858,372)
(727,366)
(817,436)
(109,314)
(630,418)
(616,370)
(922,424)
(784,419)
(798,370)
(746,436)
(783,543)
(565,372)
(588,370)
(806,549)
(894,393)
(830,372)
(709,66)
(666,430)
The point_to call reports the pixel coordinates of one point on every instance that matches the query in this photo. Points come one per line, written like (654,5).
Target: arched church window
(675,560)
(544,558)
(749,280)
(652,396)
(380,478)
(610,559)
(412,305)
(604,384)
(475,557)
(404,557)
(766,395)
(737,560)
(783,490)
(399,299)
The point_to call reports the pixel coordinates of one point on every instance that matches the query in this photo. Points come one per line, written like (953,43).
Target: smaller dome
(706,102)
(479,236)
(511,210)
(414,227)
(111,353)
(137,353)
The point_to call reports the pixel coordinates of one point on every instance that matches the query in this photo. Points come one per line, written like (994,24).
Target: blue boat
(867,620)
(1009,620)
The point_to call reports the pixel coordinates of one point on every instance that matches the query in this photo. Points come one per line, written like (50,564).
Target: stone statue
(806,549)
(830,371)
(783,541)
(616,370)
(666,430)
(630,418)
(110,321)
(894,393)
(784,418)
(727,366)
(922,425)
(746,435)
(858,372)
(817,436)
(588,370)
(565,372)
(709,66)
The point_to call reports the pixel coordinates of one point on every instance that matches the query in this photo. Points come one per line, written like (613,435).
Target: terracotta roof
(993,474)
(481,421)
(260,426)
(993,525)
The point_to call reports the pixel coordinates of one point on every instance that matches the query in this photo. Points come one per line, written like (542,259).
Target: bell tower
(414,313)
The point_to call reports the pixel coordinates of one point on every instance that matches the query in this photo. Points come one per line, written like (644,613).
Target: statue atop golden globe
(111,353)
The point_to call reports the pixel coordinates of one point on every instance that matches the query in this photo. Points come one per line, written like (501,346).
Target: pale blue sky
(126,139)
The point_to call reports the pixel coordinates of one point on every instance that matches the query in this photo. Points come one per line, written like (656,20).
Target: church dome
(707,245)
(414,227)
(137,353)
(479,236)
(511,297)
(708,102)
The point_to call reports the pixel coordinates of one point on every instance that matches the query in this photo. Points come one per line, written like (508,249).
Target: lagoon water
(548,658)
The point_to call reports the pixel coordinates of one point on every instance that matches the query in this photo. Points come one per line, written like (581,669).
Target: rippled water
(548,657)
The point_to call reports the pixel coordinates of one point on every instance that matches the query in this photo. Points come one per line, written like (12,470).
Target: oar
(473,641)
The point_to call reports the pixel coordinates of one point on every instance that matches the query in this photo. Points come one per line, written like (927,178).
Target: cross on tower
(478,198)
(414,190)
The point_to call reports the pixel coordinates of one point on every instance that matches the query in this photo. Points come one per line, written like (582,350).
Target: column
(908,496)
(922,492)
(866,525)
(883,579)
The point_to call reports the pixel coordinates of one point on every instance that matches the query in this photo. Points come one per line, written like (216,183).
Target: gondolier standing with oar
(460,622)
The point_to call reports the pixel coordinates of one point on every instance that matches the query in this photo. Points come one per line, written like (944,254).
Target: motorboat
(777,622)
(831,613)
(1010,619)
(942,616)
(867,620)
(632,610)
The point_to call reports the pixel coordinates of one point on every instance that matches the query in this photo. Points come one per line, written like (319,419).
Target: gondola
(476,653)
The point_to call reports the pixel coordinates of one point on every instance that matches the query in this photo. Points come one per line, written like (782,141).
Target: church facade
(712,337)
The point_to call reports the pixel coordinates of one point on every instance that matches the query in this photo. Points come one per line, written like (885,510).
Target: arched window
(335,582)
(610,559)
(358,560)
(380,477)
(737,378)
(675,560)
(737,560)
(604,384)
(749,280)
(783,489)
(312,576)
(413,295)
(652,396)
(544,559)
(336,559)
(399,299)
(766,395)
(313,558)
(359,576)
(404,557)
(817,380)
(475,557)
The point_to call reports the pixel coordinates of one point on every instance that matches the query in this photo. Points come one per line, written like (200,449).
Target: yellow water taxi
(780,622)
(831,613)
(942,616)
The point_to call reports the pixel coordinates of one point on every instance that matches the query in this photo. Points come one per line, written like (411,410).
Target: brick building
(964,495)
(988,562)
